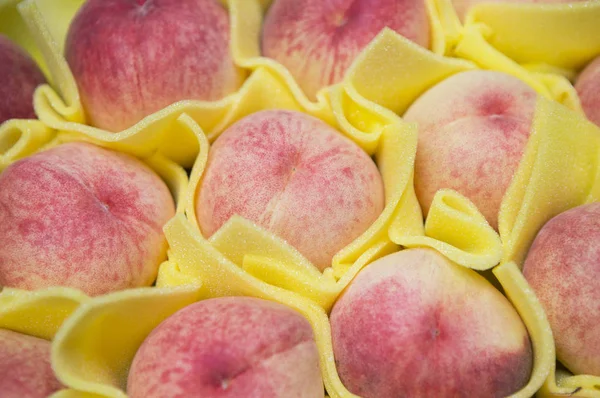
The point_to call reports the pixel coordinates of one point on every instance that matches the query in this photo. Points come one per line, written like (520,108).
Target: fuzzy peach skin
(463,6)
(25,370)
(414,324)
(228,347)
(295,176)
(19,77)
(81,216)
(131,58)
(563,268)
(473,129)
(317,40)
(588,88)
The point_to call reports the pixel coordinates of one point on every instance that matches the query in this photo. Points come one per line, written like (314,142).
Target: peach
(414,324)
(81,216)
(473,129)
(563,269)
(588,88)
(228,347)
(317,40)
(295,176)
(25,366)
(131,58)
(19,77)
(462,7)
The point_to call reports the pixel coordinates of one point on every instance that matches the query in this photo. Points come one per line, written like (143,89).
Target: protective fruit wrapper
(94,348)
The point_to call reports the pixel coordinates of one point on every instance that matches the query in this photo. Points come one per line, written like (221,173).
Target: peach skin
(228,347)
(84,217)
(473,129)
(414,324)
(133,58)
(295,176)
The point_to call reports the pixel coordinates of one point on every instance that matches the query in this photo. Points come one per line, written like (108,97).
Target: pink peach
(563,269)
(25,366)
(131,58)
(228,347)
(473,129)
(295,176)
(81,216)
(414,324)
(317,40)
(19,77)
(588,88)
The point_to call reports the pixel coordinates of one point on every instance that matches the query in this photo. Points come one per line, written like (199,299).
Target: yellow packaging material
(541,36)
(552,41)
(559,170)
(40,313)
(383,82)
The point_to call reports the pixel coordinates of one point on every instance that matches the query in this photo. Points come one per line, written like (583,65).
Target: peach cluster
(90,214)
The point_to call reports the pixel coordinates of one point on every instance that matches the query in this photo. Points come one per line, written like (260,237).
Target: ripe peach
(562,267)
(588,88)
(228,347)
(317,40)
(19,77)
(414,324)
(295,176)
(473,128)
(81,216)
(131,58)
(25,366)
(463,6)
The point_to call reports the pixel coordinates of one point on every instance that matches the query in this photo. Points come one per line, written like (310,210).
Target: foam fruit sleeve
(93,349)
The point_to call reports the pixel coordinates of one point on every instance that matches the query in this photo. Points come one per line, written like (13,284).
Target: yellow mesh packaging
(39,313)
(544,37)
(358,108)
(19,137)
(552,41)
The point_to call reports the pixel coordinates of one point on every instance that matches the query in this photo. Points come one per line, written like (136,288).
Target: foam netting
(544,45)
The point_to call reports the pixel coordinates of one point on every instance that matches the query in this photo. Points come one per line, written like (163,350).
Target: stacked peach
(410,323)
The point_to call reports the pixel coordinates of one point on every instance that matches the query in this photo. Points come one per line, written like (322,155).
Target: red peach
(131,58)
(588,88)
(562,267)
(25,366)
(228,347)
(317,40)
(463,6)
(19,77)
(295,176)
(81,216)
(473,129)
(414,324)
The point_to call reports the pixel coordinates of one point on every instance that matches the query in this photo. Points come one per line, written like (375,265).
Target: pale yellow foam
(386,78)
(38,313)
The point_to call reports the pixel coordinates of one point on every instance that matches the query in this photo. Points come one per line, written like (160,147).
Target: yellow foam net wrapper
(38,313)
(94,349)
